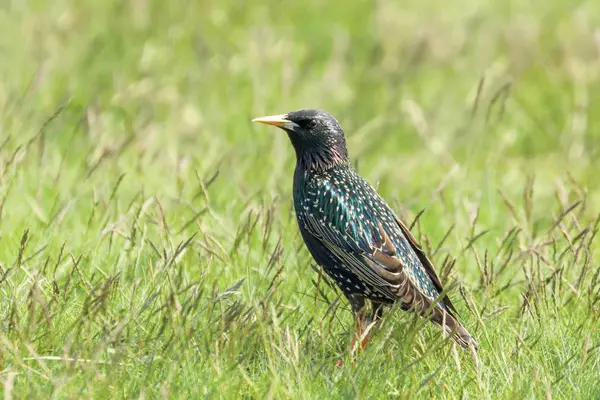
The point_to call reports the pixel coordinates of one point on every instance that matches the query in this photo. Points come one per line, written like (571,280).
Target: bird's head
(316,136)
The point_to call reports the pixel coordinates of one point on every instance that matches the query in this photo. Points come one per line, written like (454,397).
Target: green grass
(148,246)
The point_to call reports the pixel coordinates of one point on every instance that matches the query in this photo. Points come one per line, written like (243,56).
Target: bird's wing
(354,253)
(426,264)
(378,252)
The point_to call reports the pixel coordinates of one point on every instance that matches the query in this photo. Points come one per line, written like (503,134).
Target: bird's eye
(311,123)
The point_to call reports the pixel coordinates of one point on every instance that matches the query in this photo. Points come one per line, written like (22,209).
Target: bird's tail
(452,327)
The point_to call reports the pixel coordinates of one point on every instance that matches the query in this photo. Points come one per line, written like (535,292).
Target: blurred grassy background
(147,241)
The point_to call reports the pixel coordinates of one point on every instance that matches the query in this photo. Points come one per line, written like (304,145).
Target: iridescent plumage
(353,234)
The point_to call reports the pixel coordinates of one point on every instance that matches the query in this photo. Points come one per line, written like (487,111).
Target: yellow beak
(280,121)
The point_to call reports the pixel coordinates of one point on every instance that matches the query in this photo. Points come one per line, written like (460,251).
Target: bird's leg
(358,310)
(368,323)
(363,324)
(360,320)
(361,334)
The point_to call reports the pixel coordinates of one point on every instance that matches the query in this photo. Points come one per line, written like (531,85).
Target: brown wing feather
(427,265)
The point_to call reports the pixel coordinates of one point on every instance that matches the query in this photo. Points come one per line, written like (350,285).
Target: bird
(355,236)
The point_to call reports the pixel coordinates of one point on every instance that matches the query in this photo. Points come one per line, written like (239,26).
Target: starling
(354,235)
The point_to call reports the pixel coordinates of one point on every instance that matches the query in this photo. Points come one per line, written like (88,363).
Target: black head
(317,137)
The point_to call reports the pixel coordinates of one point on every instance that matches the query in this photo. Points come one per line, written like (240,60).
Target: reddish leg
(361,325)
(357,303)
(364,325)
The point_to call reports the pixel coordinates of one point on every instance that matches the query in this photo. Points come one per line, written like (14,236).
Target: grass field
(148,246)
